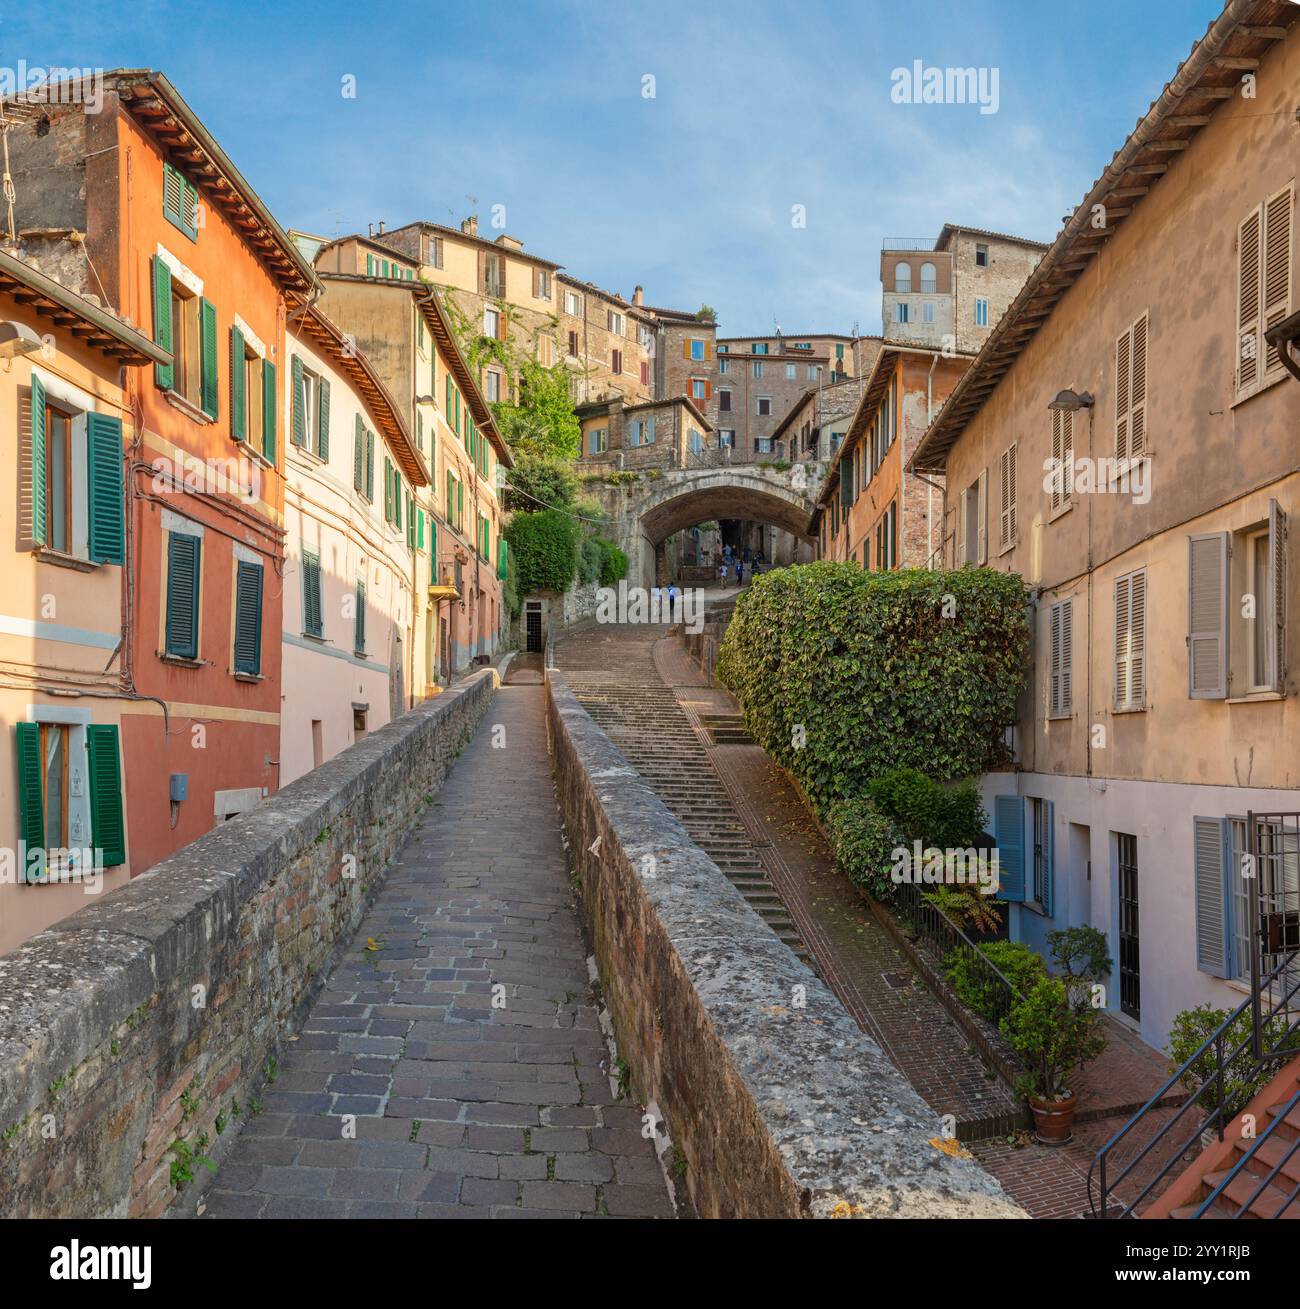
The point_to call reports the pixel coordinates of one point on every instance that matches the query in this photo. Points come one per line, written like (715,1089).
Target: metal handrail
(1215,1117)
(1247,1157)
(940,929)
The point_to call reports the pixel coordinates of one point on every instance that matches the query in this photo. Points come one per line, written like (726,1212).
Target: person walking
(672,601)
(722,574)
(740,572)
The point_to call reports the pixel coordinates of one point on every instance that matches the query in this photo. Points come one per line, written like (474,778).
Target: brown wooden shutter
(1123,390)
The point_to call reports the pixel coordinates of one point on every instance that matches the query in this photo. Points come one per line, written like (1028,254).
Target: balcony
(907,243)
(448,584)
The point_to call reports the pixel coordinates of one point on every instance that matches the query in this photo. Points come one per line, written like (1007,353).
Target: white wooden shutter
(1248,276)
(1277,598)
(1122,619)
(962,551)
(1060,698)
(982,517)
(1207,616)
(1123,391)
(1007,497)
(1062,456)
(1137,433)
(1054,661)
(1138,638)
(1276,266)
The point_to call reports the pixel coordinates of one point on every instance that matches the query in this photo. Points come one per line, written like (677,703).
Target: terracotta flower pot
(1054,1119)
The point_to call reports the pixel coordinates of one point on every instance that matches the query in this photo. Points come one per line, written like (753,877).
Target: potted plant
(1054,1038)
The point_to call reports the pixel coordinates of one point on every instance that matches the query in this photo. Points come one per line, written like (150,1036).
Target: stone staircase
(643,718)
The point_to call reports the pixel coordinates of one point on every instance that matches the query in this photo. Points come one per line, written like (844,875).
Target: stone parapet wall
(146,1017)
(777,1102)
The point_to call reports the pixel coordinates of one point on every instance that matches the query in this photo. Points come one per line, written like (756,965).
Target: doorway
(1130,957)
(533,620)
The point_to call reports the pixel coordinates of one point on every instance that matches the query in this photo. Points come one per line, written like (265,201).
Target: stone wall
(778,1104)
(145,1018)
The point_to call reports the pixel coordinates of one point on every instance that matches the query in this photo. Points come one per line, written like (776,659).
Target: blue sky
(757,107)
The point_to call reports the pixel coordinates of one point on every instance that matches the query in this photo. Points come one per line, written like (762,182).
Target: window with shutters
(180,202)
(1131,391)
(615,322)
(699,389)
(764,406)
(1263,289)
(310,410)
(724,400)
(645,373)
(1130,662)
(492,386)
(971,524)
(187,344)
(1255,607)
(981,312)
(494,276)
(69,784)
(313,613)
(791,372)
(886,540)
(1060,475)
(616,361)
(756,369)
(248,618)
(183,595)
(1007,498)
(542,284)
(492,323)
(359,619)
(59,479)
(573,306)
(253,396)
(546,350)
(726,438)
(573,345)
(1060,676)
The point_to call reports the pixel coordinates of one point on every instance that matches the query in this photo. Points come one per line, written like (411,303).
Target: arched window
(927,279)
(903,278)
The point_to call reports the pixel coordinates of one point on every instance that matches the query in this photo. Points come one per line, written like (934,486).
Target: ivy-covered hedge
(544,547)
(845,674)
(863,841)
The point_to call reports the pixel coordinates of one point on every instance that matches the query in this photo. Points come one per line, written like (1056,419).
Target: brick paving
(462,1109)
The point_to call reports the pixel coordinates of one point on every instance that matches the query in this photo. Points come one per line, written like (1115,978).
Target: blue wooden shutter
(323,420)
(107,828)
(163,374)
(298,424)
(31,797)
(238,397)
(248,617)
(208,358)
(1049,858)
(1009,835)
(1212,874)
(184,556)
(39,508)
(104,470)
(269,410)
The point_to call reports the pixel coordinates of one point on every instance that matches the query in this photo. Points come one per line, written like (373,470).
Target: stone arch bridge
(644,513)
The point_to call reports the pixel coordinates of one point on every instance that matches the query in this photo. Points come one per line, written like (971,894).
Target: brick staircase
(1250,1174)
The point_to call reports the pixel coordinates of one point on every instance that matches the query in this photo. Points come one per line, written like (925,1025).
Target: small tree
(707,314)
(1052,1037)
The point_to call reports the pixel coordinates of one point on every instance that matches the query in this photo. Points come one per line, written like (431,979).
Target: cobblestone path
(462,1109)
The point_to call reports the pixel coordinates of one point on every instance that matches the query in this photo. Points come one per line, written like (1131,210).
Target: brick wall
(778,1103)
(144,1017)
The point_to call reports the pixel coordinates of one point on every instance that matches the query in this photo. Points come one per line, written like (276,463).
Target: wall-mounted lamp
(1072,400)
(18,339)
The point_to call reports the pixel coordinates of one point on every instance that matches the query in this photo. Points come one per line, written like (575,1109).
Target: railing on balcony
(1226,1070)
(907,243)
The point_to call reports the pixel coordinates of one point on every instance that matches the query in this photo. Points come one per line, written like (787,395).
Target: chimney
(638,296)
(370,230)
(381,227)
(470,225)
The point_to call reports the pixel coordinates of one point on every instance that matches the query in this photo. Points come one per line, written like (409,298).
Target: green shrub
(613,562)
(864,841)
(545,549)
(1083,956)
(1243,1077)
(949,817)
(845,674)
(590,557)
(983,994)
(1052,1037)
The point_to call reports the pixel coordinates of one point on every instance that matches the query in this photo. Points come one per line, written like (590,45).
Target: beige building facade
(1126,441)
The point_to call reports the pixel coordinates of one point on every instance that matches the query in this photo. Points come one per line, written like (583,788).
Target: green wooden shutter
(1009,835)
(208,358)
(451,496)
(238,406)
(173,187)
(248,617)
(388,489)
(269,410)
(107,828)
(299,402)
(323,420)
(311,598)
(359,644)
(184,571)
(460,504)
(419,529)
(503,547)
(163,374)
(190,211)
(370,465)
(410,522)
(448,407)
(358,456)
(104,469)
(31,797)
(398,492)
(39,508)
(370,265)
